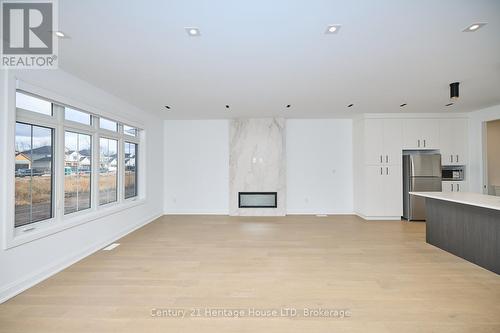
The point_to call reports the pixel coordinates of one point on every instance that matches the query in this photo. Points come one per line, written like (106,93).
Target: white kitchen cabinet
(372,191)
(377,147)
(383,190)
(451,186)
(373,141)
(383,140)
(393,190)
(393,141)
(453,141)
(421,134)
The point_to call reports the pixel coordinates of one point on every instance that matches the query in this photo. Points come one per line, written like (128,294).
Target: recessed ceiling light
(60,34)
(193,31)
(350,105)
(402,105)
(332,29)
(474,27)
(449,104)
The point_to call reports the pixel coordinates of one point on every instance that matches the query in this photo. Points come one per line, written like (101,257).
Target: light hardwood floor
(383,273)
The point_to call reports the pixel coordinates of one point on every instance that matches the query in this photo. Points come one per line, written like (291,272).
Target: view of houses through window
(108,175)
(130,170)
(36,150)
(33,173)
(77,171)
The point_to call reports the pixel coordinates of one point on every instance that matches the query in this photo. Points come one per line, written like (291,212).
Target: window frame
(132,198)
(31,225)
(118,171)
(15,236)
(92,138)
(71,123)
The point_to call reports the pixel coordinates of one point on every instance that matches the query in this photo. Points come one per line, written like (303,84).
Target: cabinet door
(446,142)
(393,141)
(373,191)
(455,186)
(393,190)
(430,129)
(447,186)
(374,141)
(453,141)
(421,133)
(461,187)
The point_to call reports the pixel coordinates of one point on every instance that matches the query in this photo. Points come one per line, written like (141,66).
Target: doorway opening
(492,158)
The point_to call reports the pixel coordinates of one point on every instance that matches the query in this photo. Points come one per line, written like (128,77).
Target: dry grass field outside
(39,200)
(40,189)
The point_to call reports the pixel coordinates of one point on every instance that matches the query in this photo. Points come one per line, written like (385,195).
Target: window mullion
(58,161)
(96,164)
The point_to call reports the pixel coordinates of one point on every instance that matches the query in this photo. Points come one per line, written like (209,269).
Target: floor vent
(111,247)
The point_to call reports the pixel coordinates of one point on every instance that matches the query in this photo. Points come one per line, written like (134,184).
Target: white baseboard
(196,212)
(29,281)
(378,218)
(309,212)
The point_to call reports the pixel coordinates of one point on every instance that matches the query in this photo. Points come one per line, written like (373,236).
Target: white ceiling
(257,56)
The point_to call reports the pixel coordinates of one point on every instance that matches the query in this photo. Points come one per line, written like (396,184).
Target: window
(129,130)
(77,116)
(32,103)
(77,171)
(130,170)
(33,173)
(68,164)
(108,124)
(108,170)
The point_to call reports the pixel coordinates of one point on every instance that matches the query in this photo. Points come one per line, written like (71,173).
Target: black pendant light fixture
(454,90)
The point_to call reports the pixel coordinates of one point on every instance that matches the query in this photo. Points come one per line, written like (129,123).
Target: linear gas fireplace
(257,199)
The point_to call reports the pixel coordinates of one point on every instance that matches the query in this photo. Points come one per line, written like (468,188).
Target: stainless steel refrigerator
(421,173)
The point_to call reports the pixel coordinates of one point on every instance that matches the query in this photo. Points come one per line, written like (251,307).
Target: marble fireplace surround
(257,163)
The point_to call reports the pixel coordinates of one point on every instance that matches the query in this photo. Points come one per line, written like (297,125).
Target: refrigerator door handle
(452,187)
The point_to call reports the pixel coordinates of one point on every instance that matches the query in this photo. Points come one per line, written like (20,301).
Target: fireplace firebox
(257,199)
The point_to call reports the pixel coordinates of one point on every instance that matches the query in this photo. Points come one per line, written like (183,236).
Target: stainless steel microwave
(453,172)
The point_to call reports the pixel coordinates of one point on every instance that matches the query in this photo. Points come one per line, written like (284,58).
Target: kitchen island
(466,225)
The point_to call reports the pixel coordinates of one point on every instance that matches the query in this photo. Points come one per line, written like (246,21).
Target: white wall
(29,263)
(493,152)
(196,167)
(476,165)
(319,166)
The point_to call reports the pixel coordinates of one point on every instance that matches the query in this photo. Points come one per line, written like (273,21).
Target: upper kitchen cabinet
(421,133)
(383,139)
(453,141)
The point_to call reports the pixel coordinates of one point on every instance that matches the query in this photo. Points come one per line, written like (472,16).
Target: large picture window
(108,170)
(33,173)
(77,171)
(130,170)
(69,162)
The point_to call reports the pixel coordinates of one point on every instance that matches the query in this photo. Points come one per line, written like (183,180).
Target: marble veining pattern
(257,163)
